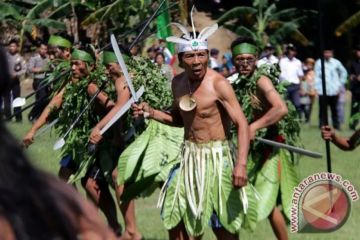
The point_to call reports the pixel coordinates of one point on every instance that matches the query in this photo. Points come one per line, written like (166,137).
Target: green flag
(163,27)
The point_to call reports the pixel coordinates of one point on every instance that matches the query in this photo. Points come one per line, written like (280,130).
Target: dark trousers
(305,111)
(293,94)
(15,91)
(41,98)
(332,103)
(355,108)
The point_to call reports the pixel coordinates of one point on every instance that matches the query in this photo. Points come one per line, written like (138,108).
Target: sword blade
(290,148)
(122,111)
(44,129)
(123,66)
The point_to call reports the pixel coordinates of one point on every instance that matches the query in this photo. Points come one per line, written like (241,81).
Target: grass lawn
(148,216)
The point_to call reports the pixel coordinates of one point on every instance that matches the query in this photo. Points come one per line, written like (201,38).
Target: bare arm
(172,119)
(346,144)
(277,110)
(123,95)
(101,97)
(56,102)
(228,99)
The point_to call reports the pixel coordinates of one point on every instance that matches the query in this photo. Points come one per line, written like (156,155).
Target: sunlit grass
(148,216)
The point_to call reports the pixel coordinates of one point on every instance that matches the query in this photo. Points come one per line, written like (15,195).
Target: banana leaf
(250,218)
(134,189)
(50,23)
(231,216)
(60,12)
(267,184)
(8,10)
(82,170)
(350,23)
(173,210)
(288,181)
(235,13)
(162,149)
(131,156)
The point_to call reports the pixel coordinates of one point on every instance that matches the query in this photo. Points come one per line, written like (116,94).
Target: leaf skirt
(201,185)
(275,183)
(145,164)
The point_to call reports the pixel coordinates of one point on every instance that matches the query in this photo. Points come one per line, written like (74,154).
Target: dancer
(67,103)
(209,181)
(257,91)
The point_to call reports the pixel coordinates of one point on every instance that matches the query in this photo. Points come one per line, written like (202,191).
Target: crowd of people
(304,78)
(211,169)
(305,81)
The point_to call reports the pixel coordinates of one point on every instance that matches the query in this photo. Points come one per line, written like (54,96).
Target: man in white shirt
(267,56)
(292,72)
(214,55)
(335,77)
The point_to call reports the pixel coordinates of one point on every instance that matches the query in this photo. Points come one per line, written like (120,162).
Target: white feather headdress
(191,43)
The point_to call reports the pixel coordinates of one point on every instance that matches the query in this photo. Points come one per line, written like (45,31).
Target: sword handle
(92,148)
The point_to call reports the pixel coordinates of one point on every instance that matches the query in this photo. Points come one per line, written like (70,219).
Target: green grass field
(148,216)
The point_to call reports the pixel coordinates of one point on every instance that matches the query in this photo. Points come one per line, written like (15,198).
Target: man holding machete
(257,91)
(113,71)
(79,87)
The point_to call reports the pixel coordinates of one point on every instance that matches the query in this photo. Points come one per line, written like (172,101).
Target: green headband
(81,55)
(244,48)
(108,57)
(59,41)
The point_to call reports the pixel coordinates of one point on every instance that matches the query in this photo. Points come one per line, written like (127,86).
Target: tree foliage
(75,16)
(265,23)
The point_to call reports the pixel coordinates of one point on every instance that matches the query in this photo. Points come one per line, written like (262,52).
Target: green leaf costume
(146,162)
(200,186)
(270,171)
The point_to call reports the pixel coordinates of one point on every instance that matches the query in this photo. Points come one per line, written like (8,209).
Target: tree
(350,23)
(76,16)
(265,23)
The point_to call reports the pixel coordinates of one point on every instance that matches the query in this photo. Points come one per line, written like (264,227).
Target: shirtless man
(113,71)
(82,63)
(208,183)
(265,108)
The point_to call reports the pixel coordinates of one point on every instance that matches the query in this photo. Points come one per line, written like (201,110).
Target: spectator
(134,51)
(151,53)
(166,70)
(267,56)
(214,55)
(340,107)
(310,82)
(291,72)
(225,70)
(355,87)
(335,76)
(17,69)
(38,66)
(166,52)
(304,100)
